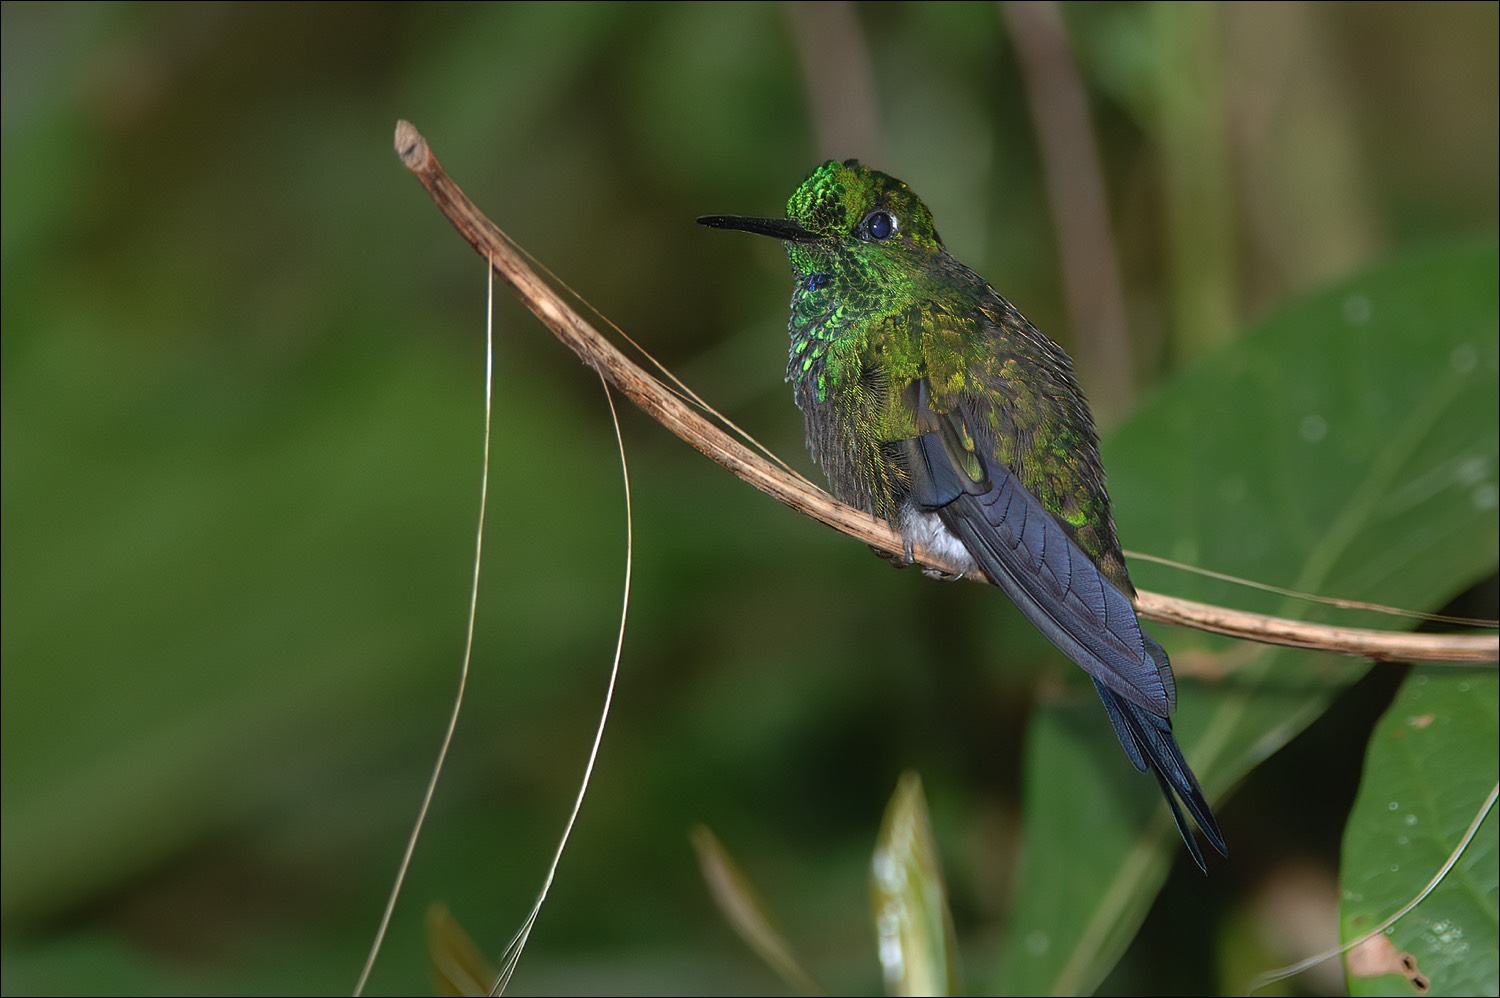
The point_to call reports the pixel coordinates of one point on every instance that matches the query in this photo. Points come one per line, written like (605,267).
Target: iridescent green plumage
(930,401)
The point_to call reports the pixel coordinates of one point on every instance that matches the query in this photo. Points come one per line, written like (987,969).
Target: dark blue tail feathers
(1148,742)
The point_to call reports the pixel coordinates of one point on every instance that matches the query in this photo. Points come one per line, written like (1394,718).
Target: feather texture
(932,402)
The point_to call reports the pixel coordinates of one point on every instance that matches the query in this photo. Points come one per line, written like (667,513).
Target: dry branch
(663,405)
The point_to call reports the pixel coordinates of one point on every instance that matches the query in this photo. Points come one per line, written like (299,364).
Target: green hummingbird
(933,403)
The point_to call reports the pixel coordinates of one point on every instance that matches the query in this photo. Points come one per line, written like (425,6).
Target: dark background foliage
(241,424)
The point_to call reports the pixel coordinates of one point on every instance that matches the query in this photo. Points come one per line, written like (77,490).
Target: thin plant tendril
(463,673)
(1343,604)
(677,386)
(512,955)
(1281,973)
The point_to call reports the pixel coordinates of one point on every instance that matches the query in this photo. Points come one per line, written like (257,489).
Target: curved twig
(658,402)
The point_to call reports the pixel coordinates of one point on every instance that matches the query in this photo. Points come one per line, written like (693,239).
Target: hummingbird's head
(844,210)
(854,205)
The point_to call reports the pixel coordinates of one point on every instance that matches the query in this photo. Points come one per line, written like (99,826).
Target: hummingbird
(932,403)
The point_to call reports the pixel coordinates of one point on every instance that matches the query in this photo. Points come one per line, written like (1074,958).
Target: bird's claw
(902,560)
(906,559)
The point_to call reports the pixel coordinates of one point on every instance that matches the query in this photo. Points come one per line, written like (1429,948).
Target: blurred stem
(1190,114)
(670,408)
(1306,211)
(1076,198)
(839,79)
(743,909)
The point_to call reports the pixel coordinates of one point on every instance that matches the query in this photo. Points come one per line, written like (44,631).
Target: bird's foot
(906,559)
(902,560)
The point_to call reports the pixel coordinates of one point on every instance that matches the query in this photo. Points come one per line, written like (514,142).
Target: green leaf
(1430,765)
(1347,446)
(918,953)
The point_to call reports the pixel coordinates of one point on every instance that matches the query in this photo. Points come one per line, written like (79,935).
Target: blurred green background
(242,404)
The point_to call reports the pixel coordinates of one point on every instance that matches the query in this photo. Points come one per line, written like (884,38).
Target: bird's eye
(878,226)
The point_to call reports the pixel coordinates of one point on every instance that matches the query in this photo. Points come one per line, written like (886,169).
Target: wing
(1025,551)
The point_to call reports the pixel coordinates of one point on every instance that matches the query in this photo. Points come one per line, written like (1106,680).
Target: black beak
(781,228)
